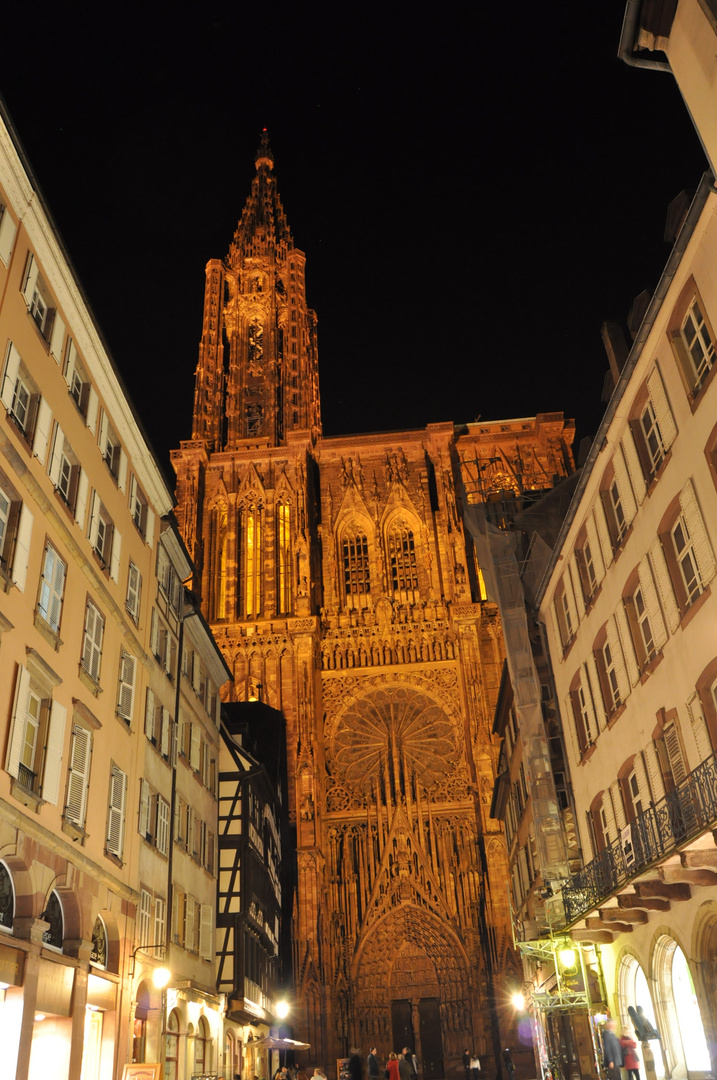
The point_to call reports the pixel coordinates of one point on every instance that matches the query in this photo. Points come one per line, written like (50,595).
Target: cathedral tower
(342,588)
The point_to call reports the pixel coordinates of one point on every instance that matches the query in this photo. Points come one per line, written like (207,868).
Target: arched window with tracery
(202,1047)
(218,563)
(403,568)
(171,1046)
(7,898)
(283,557)
(356,570)
(251,525)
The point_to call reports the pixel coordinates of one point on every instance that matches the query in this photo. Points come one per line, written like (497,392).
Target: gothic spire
(263,226)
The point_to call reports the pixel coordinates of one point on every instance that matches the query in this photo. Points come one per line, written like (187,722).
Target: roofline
(706,187)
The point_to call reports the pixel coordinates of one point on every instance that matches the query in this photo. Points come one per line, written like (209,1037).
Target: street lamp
(282,1010)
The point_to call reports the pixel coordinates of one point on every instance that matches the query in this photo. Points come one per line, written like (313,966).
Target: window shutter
(149,715)
(634,468)
(160,927)
(154,634)
(618,659)
(19,712)
(53,753)
(92,409)
(58,445)
(196,672)
(77,783)
(145,807)
(116,554)
(43,423)
(664,585)
(603,533)
(572,580)
(149,528)
(189,942)
(165,734)
(94,519)
(7,235)
(699,727)
(22,549)
(674,753)
(595,547)
(115,824)
(205,931)
(178,915)
(28,290)
(12,367)
(556,626)
(652,604)
(607,806)
(92,645)
(628,648)
(642,784)
(698,533)
(57,337)
(622,479)
(81,504)
(53,586)
(122,471)
(618,806)
(195,747)
(162,826)
(128,668)
(134,587)
(104,429)
(660,404)
(654,772)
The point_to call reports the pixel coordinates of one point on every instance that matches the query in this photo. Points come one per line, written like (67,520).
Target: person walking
(508,1059)
(355,1070)
(611,1051)
(405,1069)
(630,1060)
(412,1061)
(467,1063)
(392,1067)
(372,1064)
(475,1067)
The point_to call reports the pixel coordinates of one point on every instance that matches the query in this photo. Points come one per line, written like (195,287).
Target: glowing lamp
(282,1009)
(160,977)
(518,1001)
(566,957)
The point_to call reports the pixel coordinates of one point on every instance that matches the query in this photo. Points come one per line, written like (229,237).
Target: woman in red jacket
(630,1060)
(392,1067)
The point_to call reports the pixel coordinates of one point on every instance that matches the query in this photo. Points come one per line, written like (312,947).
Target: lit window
(252,560)
(283,545)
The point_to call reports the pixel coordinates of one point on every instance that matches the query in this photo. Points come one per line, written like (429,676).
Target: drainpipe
(627,41)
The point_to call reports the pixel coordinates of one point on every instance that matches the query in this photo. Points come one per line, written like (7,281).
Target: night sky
(476,188)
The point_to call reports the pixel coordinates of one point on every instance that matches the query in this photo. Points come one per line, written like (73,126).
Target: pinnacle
(264,156)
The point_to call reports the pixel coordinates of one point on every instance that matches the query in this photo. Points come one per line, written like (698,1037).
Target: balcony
(681,816)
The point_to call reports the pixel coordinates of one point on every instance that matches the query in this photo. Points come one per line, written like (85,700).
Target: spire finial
(264,155)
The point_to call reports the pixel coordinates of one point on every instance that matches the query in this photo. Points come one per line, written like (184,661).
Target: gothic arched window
(402,558)
(218,563)
(283,557)
(357,579)
(7,897)
(53,915)
(251,559)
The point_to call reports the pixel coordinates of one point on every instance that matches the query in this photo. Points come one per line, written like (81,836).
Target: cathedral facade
(343,590)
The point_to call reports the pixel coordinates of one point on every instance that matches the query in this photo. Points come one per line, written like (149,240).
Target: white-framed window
(653,437)
(110,445)
(16,523)
(144,920)
(52,587)
(168,580)
(160,919)
(79,775)
(633,787)
(611,677)
(686,559)
(64,468)
(162,829)
(5,506)
(698,343)
(139,509)
(590,571)
(163,644)
(79,386)
(92,641)
(642,618)
(618,513)
(37,297)
(20,397)
(116,811)
(104,538)
(34,751)
(134,592)
(125,692)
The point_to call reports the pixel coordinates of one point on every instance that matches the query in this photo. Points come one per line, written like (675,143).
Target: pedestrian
(412,1061)
(392,1072)
(475,1067)
(611,1051)
(355,1070)
(630,1060)
(508,1059)
(319,1074)
(467,1062)
(372,1064)
(405,1071)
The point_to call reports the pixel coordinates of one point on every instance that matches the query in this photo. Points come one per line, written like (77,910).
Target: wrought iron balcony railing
(684,813)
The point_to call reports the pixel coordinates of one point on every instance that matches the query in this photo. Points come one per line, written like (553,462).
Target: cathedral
(343,590)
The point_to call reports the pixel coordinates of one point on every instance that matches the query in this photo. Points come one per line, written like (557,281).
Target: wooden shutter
(28,289)
(165,733)
(195,750)
(661,406)
(116,554)
(698,533)
(652,604)
(134,589)
(178,905)
(92,409)
(77,784)
(595,547)
(53,753)
(57,337)
(81,503)
(19,713)
(43,425)
(603,533)
(618,805)
(92,646)
(162,826)
(128,669)
(664,585)
(12,368)
(7,235)
(122,471)
(154,633)
(22,549)
(628,648)
(104,432)
(618,659)
(699,727)
(205,932)
(149,528)
(189,934)
(674,753)
(94,529)
(642,783)
(634,468)
(574,575)
(58,446)
(654,772)
(149,711)
(145,809)
(622,479)
(115,819)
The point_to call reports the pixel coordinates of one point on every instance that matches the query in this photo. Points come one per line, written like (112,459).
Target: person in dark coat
(508,1059)
(372,1064)
(355,1070)
(467,1063)
(410,1057)
(611,1051)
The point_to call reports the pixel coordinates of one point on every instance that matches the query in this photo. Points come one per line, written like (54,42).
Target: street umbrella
(271,1042)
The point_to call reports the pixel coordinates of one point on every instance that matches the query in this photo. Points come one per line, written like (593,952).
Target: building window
(116,812)
(34,752)
(101,530)
(19,394)
(64,468)
(646,641)
(138,507)
(686,559)
(8,229)
(283,557)
(652,435)
(111,450)
(79,775)
(144,920)
(134,592)
(698,342)
(37,298)
(52,587)
(170,586)
(402,559)
(610,670)
(357,579)
(125,692)
(618,513)
(251,560)
(92,641)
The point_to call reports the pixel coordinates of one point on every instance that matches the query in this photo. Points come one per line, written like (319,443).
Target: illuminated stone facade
(343,590)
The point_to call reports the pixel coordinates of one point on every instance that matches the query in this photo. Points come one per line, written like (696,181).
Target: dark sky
(476,188)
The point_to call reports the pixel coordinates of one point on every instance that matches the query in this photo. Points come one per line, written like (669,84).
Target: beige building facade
(109,704)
